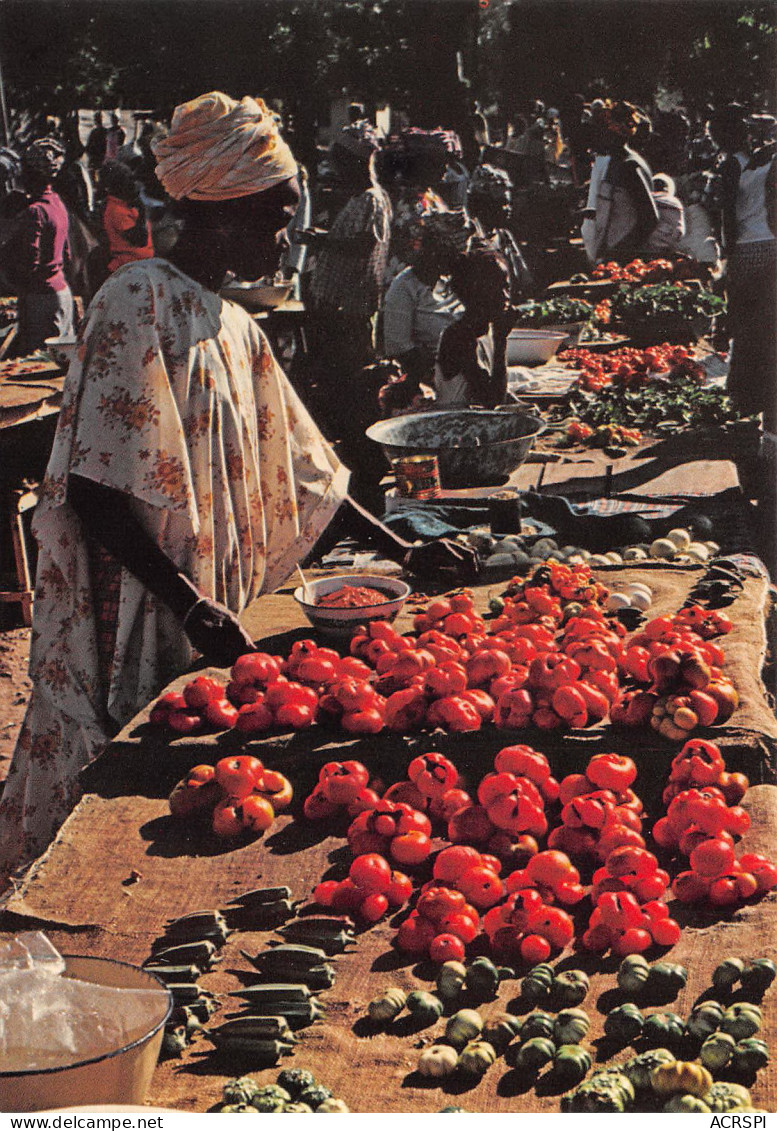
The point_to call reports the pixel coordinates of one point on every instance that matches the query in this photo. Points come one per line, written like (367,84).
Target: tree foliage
(61,54)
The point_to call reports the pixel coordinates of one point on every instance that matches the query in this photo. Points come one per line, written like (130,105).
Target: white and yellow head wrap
(220,149)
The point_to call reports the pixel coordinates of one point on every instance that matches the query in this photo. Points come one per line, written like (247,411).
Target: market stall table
(121,867)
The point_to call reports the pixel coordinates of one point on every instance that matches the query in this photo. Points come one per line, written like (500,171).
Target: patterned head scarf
(46,156)
(448,232)
(489,181)
(360,139)
(220,149)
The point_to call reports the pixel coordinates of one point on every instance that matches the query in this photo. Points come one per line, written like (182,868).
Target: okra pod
(261,916)
(333,922)
(292,955)
(201,953)
(274,991)
(257,1050)
(297,1013)
(195,920)
(330,943)
(271,1027)
(260,896)
(174,973)
(184,993)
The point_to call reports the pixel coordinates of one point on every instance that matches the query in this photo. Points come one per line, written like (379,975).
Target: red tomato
(631,941)
(202,690)
(486,666)
(370,872)
(451,862)
(197,792)
(227,821)
(712,857)
(184,722)
(453,713)
(534,949)
(323,892)
(412,820)
(410,848)
(481,886)
(437,901)
(275,788)
(399,890)
(525,761)
(318,807)
(611,771)
(256,813)
(665,932)
(481,701)
(447,678)
(446,948)
(295,716)
(369,721)
(254,718)
(433,774)
(220,713)
(237,776)
(364,801)
(374,907)
(464,926)
(763,869)
(472,823)
(415,935)
(552,868)
(347,897)
(255,667)
(496,785)
(443,808)
(555,925)
(690,887)
(405,710)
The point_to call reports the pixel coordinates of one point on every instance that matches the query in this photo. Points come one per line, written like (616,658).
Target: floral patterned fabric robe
(175,399)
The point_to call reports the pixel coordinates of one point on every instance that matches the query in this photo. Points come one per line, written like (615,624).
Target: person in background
(624,211)
(665,238)
(489,203)
(127,231)
(186,477)
(114,138)
(346,284)
(36,256)
(294,257)
(747,181)
(699,241)
(424,157)
(419,303)
(96,145)
(471,364)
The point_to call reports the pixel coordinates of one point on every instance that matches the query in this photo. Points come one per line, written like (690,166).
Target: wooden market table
(120,867)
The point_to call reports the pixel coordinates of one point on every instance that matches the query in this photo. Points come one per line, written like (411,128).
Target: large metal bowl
(112,1075)
(474,447)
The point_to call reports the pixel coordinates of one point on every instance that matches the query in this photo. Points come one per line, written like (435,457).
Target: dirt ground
(14,690)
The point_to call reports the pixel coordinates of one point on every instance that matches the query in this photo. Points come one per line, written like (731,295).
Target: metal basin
(474,447)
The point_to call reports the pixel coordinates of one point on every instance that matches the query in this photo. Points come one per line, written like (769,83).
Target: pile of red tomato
(703,819)
(553,658)
(630,368)
(637,271)
(239,794)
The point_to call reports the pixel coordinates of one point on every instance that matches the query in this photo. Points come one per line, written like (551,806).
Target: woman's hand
(443,555)
(216,633)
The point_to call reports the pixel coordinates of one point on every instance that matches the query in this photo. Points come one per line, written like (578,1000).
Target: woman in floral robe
(186,476)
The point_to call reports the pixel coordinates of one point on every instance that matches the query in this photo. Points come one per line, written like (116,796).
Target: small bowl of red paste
(336,605)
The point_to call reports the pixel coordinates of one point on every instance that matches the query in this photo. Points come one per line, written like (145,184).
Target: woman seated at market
(489,203)
(471,366)
(421,156)
(623,209)
(419,303)
(186,477)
